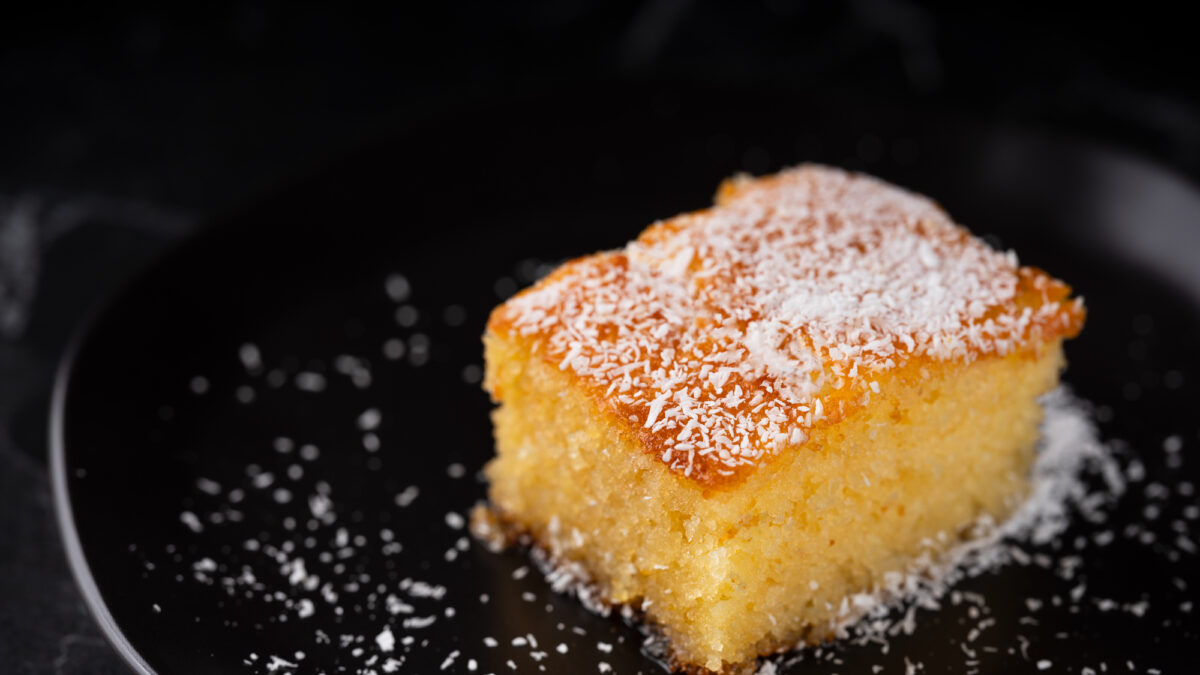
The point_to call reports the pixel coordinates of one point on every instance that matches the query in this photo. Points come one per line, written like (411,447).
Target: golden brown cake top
(724,336)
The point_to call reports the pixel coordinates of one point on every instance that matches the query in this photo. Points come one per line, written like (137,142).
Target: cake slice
(754,412)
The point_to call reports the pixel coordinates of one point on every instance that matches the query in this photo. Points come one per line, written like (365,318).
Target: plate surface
(300,382)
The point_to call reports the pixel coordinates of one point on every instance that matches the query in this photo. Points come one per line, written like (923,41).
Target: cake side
(734,573)
(725,336)
(753,413)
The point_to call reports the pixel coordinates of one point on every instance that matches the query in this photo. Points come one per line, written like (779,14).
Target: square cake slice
(754,412)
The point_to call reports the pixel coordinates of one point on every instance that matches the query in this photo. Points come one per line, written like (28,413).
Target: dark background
(125,126)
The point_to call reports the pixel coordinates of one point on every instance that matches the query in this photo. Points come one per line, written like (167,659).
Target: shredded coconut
(722,335)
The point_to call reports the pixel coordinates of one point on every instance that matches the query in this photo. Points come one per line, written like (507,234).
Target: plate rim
(64,512)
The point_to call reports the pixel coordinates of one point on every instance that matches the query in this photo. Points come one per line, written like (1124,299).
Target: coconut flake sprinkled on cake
(724,335)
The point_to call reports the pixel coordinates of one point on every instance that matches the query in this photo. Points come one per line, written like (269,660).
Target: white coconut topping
(719,333)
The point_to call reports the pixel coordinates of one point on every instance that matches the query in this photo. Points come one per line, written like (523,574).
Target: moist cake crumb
(822,378)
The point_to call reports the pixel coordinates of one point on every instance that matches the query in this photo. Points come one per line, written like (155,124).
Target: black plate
(162,395)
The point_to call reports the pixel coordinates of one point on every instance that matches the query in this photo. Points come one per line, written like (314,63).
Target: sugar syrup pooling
(726,335)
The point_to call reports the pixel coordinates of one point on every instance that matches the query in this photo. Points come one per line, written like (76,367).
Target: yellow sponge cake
(755,411)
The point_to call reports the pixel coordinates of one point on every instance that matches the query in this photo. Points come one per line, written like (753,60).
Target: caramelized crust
(723,338)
